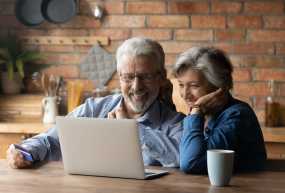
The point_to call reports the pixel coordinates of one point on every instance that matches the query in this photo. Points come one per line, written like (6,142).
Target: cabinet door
(6,139)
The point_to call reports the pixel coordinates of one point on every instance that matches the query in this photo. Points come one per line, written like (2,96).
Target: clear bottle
(271,107)
(100,92)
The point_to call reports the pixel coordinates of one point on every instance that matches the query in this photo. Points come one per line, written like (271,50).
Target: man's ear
(163,78)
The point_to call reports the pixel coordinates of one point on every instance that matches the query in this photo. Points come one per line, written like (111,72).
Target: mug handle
(44,101)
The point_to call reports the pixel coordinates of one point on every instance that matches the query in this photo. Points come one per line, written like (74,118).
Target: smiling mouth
(191,103)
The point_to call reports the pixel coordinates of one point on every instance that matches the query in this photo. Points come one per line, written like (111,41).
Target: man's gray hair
(213,63)
(141,46)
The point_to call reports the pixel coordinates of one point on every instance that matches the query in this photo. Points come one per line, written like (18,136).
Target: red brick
(177,47)
(169,73)
(70,71)
(47,25)
(241,75)
(260,102)
(266,36)
(264,7)
(250,89)
(115,76)
(157,34)
(280,48)
(169,59)
(124,21)
(3,33)
(189,7)
(236,61)
(82,22)
(263,61)
(8,9)
(68,32)
(226,47)
(146,7)
(117,0)
(56,48)
(226,7)
(71,58)
(194,35)
(230,35)
(86,48)
(119,43)
(260,114)
(28,32)
(50,59)
(253,49)
(274,21)
(29,47)
(9,21)
(209,21)
(171,21)
(113,34)
(267,74)
(281,89)
(244,99)
(108,8)
(245,21)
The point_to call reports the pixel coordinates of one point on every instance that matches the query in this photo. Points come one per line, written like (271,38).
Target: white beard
(140,106)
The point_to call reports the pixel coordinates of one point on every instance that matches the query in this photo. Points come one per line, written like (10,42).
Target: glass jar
(272,107)
(116,90)
(100,92)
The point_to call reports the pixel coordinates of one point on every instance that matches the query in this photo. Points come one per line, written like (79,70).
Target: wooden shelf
(71,40)
(30,128)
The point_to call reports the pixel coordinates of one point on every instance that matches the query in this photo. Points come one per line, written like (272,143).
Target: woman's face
(193,85)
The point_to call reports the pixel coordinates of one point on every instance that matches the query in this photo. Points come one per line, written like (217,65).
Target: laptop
(102,147)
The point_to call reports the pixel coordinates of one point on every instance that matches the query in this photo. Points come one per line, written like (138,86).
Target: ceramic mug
(220,165)
(50,109)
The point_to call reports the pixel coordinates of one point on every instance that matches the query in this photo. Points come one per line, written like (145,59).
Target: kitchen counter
(273,134)
(30,128)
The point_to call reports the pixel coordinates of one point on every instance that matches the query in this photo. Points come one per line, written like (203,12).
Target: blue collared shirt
(235,128)
(160,131)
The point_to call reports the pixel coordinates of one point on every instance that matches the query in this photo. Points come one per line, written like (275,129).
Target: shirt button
(207,130)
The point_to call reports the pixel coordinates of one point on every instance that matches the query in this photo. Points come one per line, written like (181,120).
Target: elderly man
(140,64)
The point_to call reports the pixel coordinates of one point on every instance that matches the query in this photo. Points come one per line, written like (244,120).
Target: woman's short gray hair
(141,46)
(212,62)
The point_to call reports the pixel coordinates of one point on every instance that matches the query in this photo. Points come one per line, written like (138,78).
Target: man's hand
(165,94)
(117,114)
(16,159)
(214,102)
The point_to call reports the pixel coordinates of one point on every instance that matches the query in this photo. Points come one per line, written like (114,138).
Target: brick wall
(251,32)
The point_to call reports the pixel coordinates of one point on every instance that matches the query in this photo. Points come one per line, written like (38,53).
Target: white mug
(50,109)
(220,165)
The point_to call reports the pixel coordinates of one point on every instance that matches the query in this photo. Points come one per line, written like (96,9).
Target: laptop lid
(101,147)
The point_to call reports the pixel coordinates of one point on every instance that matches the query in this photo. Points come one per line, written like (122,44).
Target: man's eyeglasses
(143,78)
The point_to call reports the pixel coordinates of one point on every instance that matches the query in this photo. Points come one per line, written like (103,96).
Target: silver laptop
(102,147)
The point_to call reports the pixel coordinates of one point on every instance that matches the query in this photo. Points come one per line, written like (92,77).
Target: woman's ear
(163,78)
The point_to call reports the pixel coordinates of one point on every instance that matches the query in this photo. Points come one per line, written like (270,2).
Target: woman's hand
(165,94)
(215,101)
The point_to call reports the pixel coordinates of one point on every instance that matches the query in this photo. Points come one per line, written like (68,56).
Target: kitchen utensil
(58,85)
(45,83)
(59,11)
(98,12)
(50,109)
(37,79)
(53,80)
(28,12)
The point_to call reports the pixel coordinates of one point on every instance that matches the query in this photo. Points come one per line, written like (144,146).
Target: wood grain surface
(50,177)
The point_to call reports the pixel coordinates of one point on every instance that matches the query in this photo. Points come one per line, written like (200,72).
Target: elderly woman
(202,71)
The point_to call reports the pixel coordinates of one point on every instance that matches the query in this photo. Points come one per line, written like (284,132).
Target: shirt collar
(215,117)
(152,114)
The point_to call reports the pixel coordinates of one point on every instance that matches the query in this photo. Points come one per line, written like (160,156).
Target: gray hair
(141,46)
(213,63)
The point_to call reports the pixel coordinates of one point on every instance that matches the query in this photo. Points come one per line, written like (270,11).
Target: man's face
(140,96)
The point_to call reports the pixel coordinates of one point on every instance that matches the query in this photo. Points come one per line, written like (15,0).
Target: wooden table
(50,177)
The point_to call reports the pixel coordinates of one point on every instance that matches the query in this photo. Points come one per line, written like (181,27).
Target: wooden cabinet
(16,132)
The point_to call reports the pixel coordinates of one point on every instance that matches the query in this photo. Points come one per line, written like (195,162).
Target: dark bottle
(271,107)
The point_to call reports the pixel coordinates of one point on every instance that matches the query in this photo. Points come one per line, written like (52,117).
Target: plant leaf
(35,67)
(10,68)
(30,57)
(20,67)
(2,61)
(5,53)
(19,82)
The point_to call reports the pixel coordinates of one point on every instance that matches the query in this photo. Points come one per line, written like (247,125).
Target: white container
(50,109)
(220,165)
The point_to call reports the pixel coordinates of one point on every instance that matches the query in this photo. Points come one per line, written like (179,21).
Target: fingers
(112,115)
(15,158)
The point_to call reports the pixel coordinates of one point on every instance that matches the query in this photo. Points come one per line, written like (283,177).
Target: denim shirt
(235,128)
(160,131)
